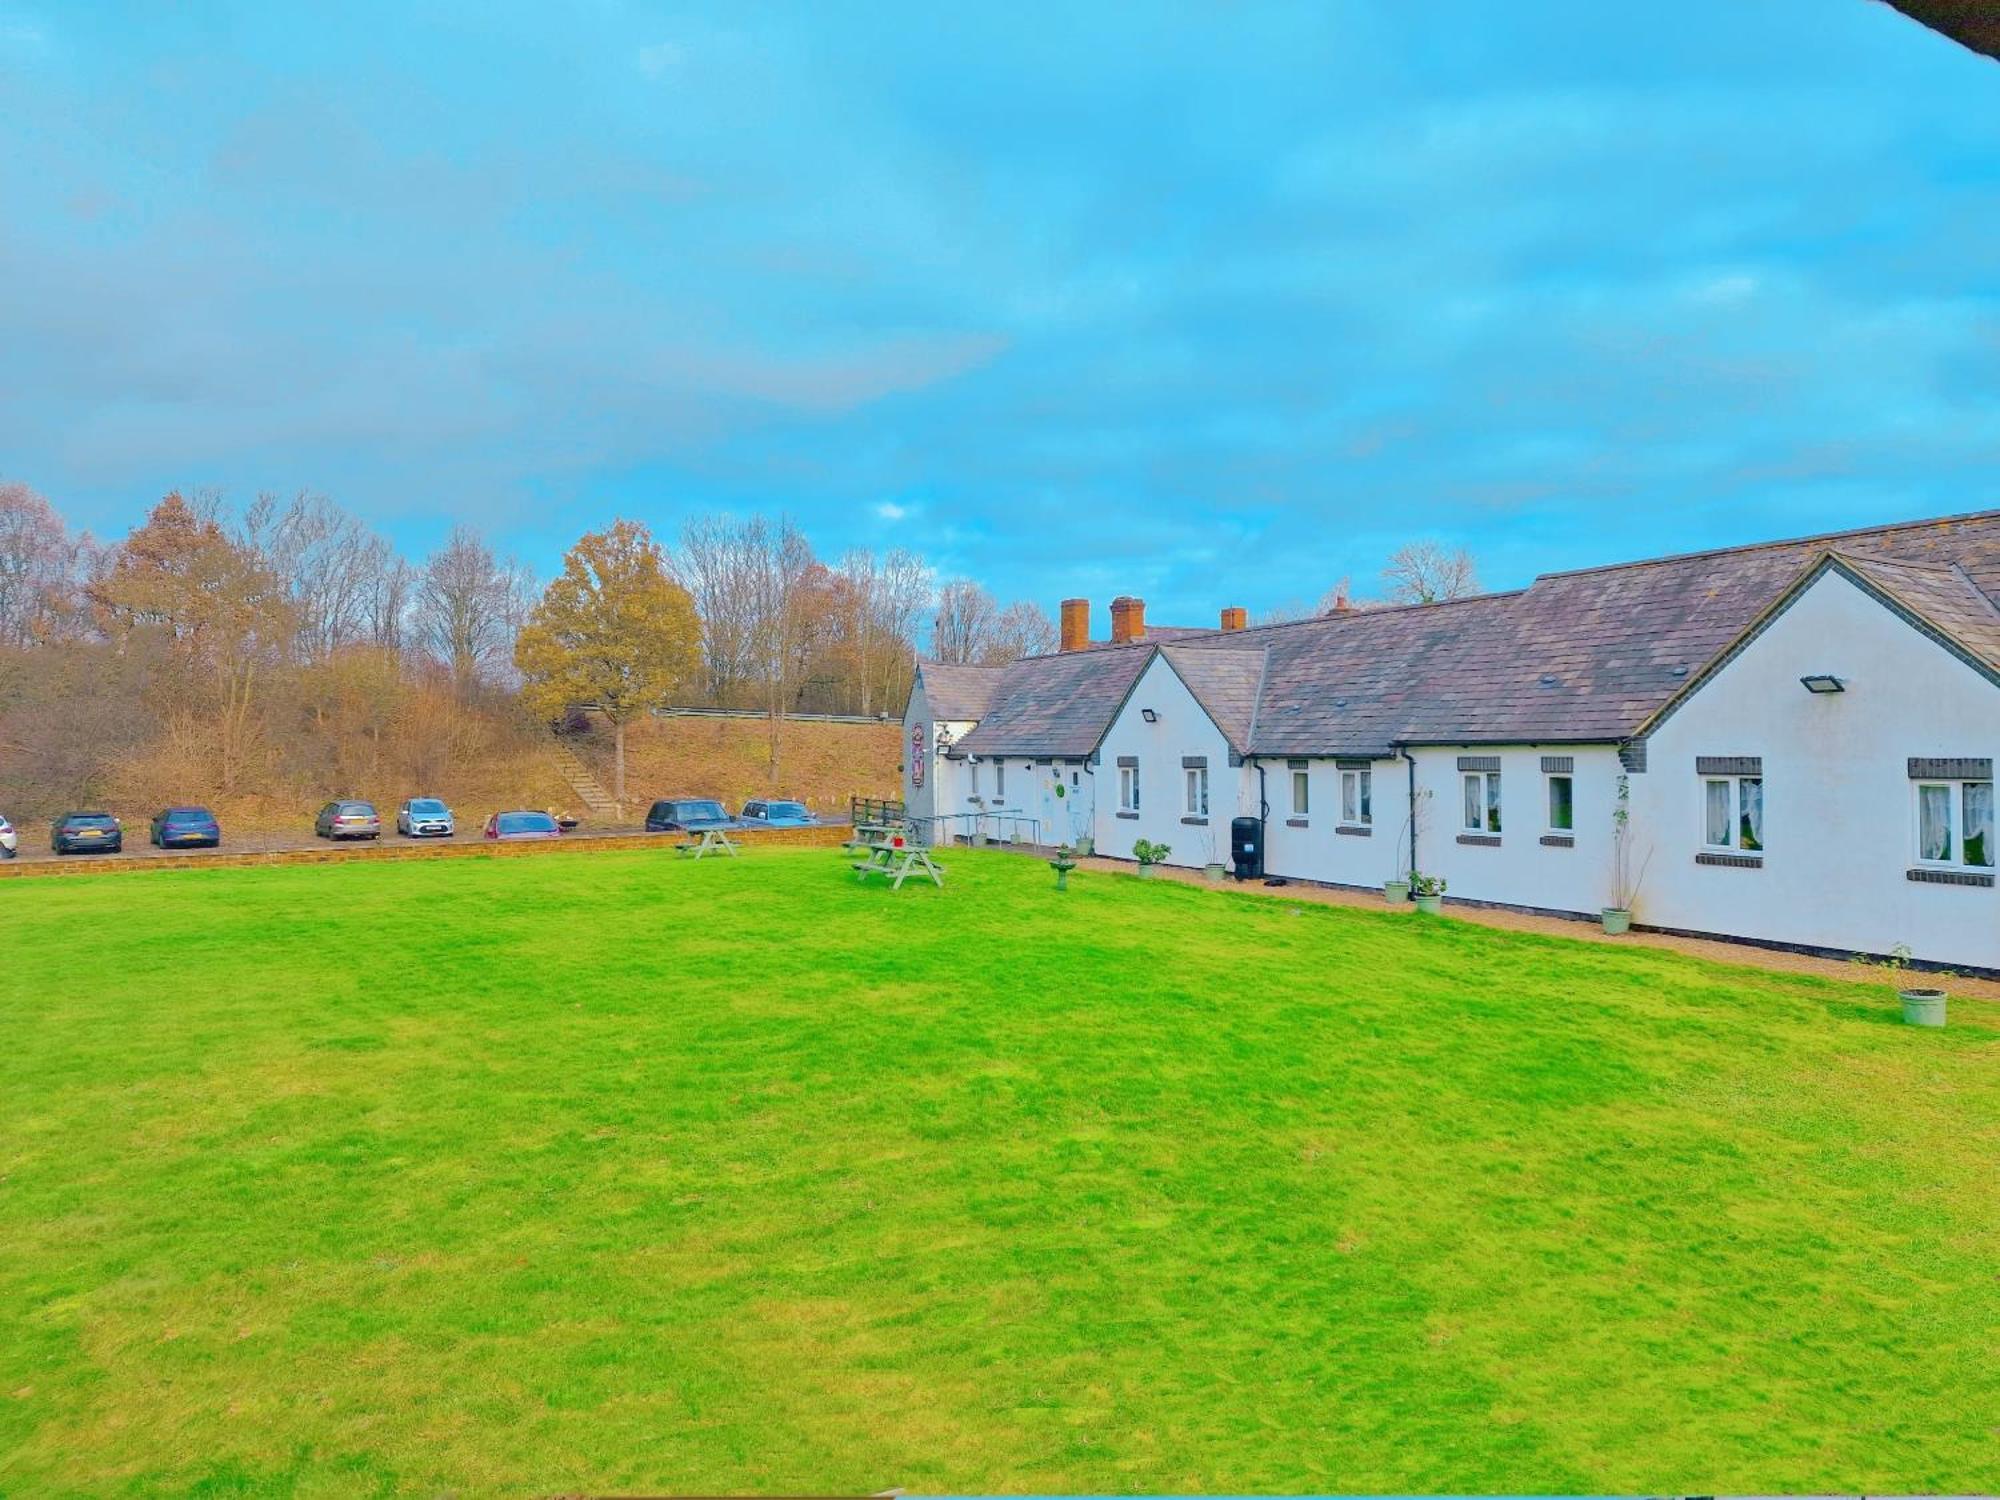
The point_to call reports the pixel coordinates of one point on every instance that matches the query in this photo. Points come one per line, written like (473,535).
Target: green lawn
(617,1172)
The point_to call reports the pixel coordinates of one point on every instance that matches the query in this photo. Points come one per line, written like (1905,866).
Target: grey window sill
(1731,861)
(1196,822)
(1297,823)
(1131,815)
(1482,840)
(1559,840)
(1923,875)
(1355,830)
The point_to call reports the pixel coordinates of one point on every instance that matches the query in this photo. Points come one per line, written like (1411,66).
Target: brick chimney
(1075,624)
(1235,618)
(1341,605)
(1128,619)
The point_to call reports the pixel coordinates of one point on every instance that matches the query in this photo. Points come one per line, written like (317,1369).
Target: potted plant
(1396,889)
(978,822)
(1213,868)
(1062,864)
(1149,854)
(1624,883)
(1428,891)
(1923,1005)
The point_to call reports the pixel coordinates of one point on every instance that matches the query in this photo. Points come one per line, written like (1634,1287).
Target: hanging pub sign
(918,744)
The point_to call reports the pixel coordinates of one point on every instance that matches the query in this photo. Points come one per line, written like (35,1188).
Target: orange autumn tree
(614,631)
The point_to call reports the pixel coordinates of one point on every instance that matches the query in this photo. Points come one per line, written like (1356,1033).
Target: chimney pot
(1235,618)
(1075,624)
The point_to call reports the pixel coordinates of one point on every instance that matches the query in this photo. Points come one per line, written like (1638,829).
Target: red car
(523,825)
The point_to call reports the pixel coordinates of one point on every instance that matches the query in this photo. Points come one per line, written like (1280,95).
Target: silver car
(425,818)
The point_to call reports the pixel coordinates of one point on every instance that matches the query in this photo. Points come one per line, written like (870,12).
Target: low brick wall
(825,836)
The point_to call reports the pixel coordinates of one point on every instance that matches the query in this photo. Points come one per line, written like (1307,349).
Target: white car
(425,818)
(10,841)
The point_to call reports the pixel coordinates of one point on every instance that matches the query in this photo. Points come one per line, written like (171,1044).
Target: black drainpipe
(1263,818)
(1411,760)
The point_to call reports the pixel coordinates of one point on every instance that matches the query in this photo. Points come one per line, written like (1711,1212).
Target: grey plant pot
(979,841)
(1213,869)
(1432,904)
(1395,892)
(1146,871)
(1922,1007)
(1085,846)
(1617,920)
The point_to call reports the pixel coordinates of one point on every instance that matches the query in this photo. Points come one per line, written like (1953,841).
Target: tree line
(287,644)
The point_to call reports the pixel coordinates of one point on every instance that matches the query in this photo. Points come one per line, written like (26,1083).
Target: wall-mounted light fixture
(1149,716)
(1823,682)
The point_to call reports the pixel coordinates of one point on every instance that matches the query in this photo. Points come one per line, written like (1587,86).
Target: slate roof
(1058,705)
(1580,657)
(1226,682)
(956,692)
(1943,595)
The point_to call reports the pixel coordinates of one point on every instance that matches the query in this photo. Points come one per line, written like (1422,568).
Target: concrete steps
(588,789)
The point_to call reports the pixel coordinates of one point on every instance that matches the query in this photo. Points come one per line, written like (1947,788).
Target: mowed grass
(619,1173)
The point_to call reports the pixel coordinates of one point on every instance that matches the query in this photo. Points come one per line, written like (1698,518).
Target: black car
(688,815)
(186,828)
(86,833)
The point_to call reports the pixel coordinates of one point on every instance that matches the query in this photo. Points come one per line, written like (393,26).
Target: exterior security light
(1823,682)
(1149,716)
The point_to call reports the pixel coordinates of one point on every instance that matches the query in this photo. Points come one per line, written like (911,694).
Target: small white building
(1796,739)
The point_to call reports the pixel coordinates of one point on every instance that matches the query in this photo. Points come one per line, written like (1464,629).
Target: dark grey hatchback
(86,832)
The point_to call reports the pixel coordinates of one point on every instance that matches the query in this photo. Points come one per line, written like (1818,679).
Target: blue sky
(1211,303)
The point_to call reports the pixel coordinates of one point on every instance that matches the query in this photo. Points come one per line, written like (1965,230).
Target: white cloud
(888,510)
(661,58)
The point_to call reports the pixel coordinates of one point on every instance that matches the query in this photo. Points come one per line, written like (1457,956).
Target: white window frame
(1955,789)
(1361,782)
(999,781)
(1734,844)
(1301,794)
(1549,801)
(1197,791)
(1128,788)
(1489,819)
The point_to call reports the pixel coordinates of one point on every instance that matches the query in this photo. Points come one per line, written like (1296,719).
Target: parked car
(779,815)
(425,818)
(86,832)
(10,841)
(522,825)
(348,820)
(688,815)
(186,828)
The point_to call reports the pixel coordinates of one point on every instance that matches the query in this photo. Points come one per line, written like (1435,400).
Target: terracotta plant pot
(1922,1007)
(1617,920)
(1395,892)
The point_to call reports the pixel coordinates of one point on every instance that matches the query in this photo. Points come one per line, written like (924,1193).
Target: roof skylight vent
(1549,679)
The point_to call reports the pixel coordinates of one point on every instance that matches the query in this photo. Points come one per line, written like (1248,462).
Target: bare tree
(882,600)
(1428,572)
(331,564)
(38,567)
(717,566)
(1021,629)
(782,565)
(468,605)
(963,625)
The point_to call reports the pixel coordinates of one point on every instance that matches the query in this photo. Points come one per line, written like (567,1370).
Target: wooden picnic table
(886,849)
(712,841)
